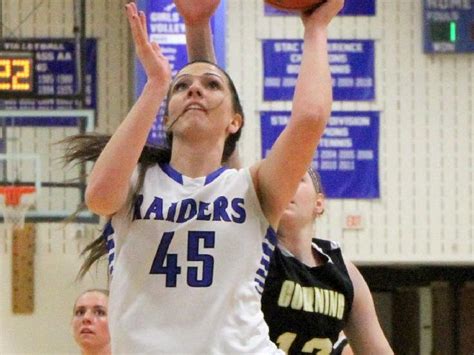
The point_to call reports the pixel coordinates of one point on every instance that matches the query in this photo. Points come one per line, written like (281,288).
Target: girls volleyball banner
(351,61)
(166,27)
(351,8)
(347,155)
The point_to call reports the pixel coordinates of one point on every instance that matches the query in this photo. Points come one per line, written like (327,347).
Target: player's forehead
(92,299)
(201,69)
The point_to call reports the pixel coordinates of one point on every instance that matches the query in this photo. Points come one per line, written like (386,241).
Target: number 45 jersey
(190,257)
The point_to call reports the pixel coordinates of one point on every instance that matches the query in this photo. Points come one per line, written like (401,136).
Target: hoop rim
(13,193)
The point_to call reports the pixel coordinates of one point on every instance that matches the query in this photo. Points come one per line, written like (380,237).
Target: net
(15,202)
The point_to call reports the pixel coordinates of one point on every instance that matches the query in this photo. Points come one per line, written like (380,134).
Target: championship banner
(351,8)
(166,27)
(55,77)
(352,65)
(347,155)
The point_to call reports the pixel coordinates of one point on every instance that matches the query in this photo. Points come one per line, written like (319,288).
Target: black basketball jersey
(306,307)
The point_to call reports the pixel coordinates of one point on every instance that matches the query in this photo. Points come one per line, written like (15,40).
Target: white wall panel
(57,260)
(425,211)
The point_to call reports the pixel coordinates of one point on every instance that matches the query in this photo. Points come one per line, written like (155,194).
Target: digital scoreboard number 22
(16,74)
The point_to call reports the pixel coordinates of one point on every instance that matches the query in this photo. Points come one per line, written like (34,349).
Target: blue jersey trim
(108,235)
(268,246)
(178,177)
(175,175)
(110,243)
(108,229)
(212,176)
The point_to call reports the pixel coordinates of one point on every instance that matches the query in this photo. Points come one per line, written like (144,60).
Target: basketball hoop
(16,200)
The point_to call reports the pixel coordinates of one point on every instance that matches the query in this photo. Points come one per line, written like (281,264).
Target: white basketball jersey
(189,263)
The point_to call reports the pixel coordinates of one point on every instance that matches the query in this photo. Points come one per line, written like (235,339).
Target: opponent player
(311,293)
(188,260)
(90,322)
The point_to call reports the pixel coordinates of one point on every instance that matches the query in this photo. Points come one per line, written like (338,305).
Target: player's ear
(319,205)
(165,122)
(235,123)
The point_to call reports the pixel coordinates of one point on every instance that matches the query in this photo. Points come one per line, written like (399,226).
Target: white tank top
(189,270)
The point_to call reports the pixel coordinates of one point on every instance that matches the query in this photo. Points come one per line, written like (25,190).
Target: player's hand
(323,13)
(196,12)
(156,65)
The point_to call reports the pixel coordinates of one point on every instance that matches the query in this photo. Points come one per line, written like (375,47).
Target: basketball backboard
(30,156)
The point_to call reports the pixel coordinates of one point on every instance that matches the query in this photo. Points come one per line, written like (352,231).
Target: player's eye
(100,312)
(79,312)
(214,84)
(180,86)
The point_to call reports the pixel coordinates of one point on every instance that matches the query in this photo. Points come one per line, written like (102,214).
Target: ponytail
(83,148)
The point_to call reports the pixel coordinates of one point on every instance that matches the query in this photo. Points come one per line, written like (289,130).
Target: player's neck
(298,242)
(98,351)
(195,161)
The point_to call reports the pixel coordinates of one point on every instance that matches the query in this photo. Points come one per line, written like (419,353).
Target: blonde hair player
(89,322)
(311,293)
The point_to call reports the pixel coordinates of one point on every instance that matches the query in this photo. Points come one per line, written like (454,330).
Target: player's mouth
(195,106)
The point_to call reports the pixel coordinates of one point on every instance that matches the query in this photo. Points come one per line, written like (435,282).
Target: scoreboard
(17,73)
(448,26)
(43,73)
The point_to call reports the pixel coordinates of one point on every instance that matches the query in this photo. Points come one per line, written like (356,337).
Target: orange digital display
(16,73)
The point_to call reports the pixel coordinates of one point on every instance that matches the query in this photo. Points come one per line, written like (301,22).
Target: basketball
(294,4)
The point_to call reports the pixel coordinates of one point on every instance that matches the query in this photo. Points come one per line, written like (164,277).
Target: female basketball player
(192,240)
(89,322)
(311,293)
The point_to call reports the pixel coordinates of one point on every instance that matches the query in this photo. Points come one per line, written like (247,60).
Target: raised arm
(197,15)
(108,184)
(363,328)
(277,177)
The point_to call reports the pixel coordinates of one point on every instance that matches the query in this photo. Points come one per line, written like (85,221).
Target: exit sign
(353,221)
(448,26)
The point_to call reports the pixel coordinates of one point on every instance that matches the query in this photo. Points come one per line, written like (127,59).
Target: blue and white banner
(166,27)
(352,65)
(358,8)
(347,155)
(351,8)
(55,69)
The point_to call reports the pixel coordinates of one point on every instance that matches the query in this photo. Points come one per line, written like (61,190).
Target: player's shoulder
(326,244)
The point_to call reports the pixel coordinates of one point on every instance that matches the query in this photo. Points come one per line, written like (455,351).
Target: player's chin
(290,209)
(288,215)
